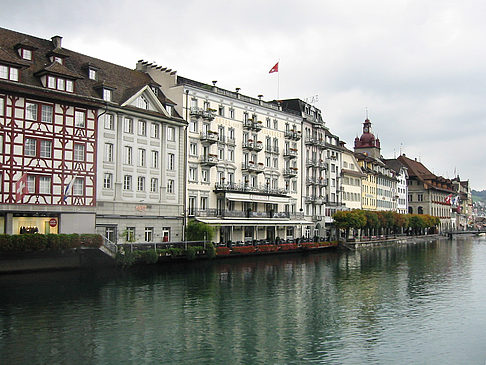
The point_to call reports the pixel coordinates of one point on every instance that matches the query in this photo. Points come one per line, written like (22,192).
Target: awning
(252,222)
(257,198)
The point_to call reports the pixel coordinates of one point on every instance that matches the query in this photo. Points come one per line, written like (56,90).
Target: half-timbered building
(86,145)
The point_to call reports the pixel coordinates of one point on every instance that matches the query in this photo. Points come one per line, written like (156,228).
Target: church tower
(367,143)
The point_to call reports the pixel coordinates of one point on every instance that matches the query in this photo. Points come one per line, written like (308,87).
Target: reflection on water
(416,303)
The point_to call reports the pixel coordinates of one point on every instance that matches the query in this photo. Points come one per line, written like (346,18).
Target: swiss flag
(21,188)
(274,68)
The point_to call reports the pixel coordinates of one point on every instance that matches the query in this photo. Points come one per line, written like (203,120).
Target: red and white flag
(448,199)
(274,68)
(21,188)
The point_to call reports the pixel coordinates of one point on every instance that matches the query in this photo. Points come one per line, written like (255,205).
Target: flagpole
(278,80)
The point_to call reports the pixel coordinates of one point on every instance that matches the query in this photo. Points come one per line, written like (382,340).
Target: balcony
(291,172)
(290,153)
(230,141)
(311,181)
(250,145)
(314,199)
(209,160)
(322,165)
(322,181)
(251,125)
(201,113)
(317,122)
(311,163)
(252,167)
(293,135)
(246,188)
(310,141)
(243,214)
(209,137)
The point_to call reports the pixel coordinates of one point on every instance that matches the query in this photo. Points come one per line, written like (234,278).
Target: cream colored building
(243,159)
(352,178)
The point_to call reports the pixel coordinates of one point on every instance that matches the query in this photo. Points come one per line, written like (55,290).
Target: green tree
(199,231)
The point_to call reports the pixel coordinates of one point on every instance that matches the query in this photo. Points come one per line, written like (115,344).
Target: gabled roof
(123,81)
(420,172)
(395,165)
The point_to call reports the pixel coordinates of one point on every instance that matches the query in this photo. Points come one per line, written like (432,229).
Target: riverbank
(388,241)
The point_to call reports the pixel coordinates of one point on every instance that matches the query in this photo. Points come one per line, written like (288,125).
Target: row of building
(90,146)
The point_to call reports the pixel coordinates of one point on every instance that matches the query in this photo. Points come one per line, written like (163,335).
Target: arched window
(410,210)
(420,210)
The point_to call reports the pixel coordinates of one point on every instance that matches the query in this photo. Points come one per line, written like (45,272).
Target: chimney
(260,99)
(214,88)
(56,41)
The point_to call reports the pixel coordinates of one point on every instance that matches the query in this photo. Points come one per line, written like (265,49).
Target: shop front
(35,223)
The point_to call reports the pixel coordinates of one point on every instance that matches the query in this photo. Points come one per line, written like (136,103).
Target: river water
(419,303)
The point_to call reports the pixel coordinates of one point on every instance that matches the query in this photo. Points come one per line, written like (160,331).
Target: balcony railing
(290,153)
(244,214)
(252,167)
(311,181)
(315,199)
(199,112)
(209,137)
(253,146)
(246,188)
(311,162)
(293,135)
(210,160)
(252,125)
(291,172)
(230,141)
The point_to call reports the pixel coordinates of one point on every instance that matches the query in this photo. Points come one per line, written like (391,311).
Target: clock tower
(367,143)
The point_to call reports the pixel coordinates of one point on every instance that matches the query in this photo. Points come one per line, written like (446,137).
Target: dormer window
(155,89)
(26,54)
(9,73)
(107,94)
(92,74)
(57,59)
(169,109)
(59,83)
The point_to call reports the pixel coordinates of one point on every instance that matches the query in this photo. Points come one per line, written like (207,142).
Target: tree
(199,231)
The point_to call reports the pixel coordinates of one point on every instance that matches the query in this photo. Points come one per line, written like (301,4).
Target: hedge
(47,242)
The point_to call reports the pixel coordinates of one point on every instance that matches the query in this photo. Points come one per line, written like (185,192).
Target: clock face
(366,129)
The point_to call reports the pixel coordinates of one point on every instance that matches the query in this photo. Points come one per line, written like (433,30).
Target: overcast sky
(419,67)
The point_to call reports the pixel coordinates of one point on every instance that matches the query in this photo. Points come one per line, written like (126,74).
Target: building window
(79,119)
(154,130)
(130,234)
(109,152)
(30,145)
(46,113)
(205,176)
(155,159)
(30,111)
(79,150)
(142,103)
(149,234)
(108,121)
(9,73)
(107,180)
(141,157)
(221,111)
(221,154)
(128,125)
(92,74)
(78,186)
(107,94)
(193,174)
(170,161)
(154,185)
(127,182)
(31,184)
(59,83)
(170,133)
(26,54)
(193,126)
(231,155)
(232,113)
(45,184)
(2,105)
(275,124)
(170,186)
(142,127)
(128,155)
(141,183)
(193,149)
